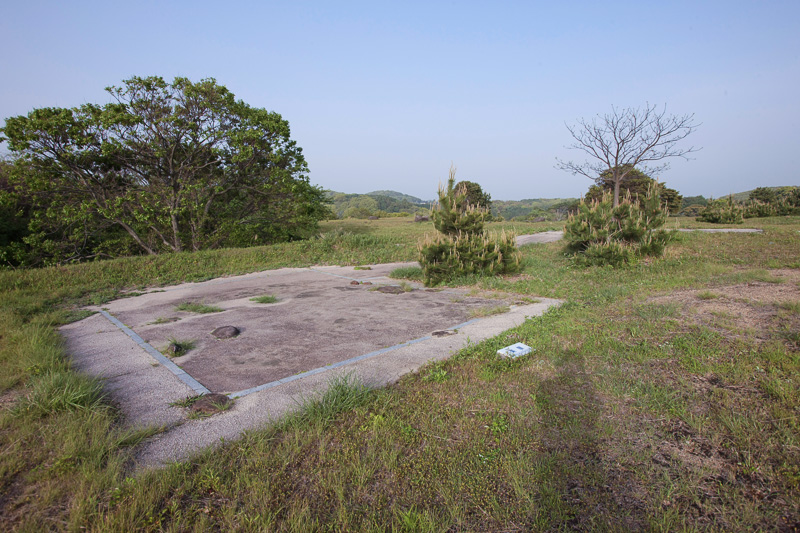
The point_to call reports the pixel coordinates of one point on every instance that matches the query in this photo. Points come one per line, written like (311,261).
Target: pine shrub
(462,246)
(722,211)
(454,214)
(444,257)
(787,203)
(756,209)
(601,234)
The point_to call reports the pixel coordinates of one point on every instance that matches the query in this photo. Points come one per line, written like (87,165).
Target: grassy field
(661,396)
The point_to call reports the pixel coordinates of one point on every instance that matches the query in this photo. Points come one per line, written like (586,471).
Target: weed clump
(412,273)
(462,246)
(195,307)
(264,299)
(176,347)
(601,234)
(344,393)
(57,391)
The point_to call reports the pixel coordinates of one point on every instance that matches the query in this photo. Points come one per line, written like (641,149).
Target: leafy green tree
(793,197)
(637,183)
(693,200)
(772,201)
(366,205)
(692,210)
(474,194)
(14,219)
(392,205)
(174,166)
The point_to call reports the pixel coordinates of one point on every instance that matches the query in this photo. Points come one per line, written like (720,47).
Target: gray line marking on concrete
(307,373)
(322,369)
(158,356)
(467,323)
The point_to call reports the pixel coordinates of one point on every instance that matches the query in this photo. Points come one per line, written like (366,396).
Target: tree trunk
(617,183)
(176,237)
(136,237)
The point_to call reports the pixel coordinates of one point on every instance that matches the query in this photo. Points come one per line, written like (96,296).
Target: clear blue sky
(384,95)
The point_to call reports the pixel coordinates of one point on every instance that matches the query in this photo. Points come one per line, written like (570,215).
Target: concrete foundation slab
(327,321)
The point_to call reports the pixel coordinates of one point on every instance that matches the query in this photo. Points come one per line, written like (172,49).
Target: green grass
(197,307)
(792,307)
(187,402)
(164,320)
(265,299)
(412,273)
(344,393)
(407,287)
(626,416)
(480,312)
(177,347)
(707,295)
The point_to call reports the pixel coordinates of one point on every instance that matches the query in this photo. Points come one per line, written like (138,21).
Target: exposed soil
(751,310)
(755,312)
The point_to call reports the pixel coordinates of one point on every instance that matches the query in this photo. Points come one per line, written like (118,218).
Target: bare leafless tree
(626,139)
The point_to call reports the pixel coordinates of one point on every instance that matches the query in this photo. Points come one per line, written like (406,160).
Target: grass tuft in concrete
(265,299)
(196,307)
(177,347)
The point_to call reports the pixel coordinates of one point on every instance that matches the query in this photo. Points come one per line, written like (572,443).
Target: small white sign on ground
(515,350)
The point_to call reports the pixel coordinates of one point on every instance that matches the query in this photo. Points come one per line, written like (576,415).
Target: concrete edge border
(378,369)
(338,364)
(158,356)
(198,388)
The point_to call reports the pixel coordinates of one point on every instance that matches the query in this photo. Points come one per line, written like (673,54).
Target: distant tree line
(391,203)
(369,205)
(761,202)
(533,209)
(634,183)
(164,167)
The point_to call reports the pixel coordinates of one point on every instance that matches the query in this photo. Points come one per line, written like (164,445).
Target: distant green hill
(398,196)
(531,208)
(372,204)
(387,202)
(691,204)
(744,196)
